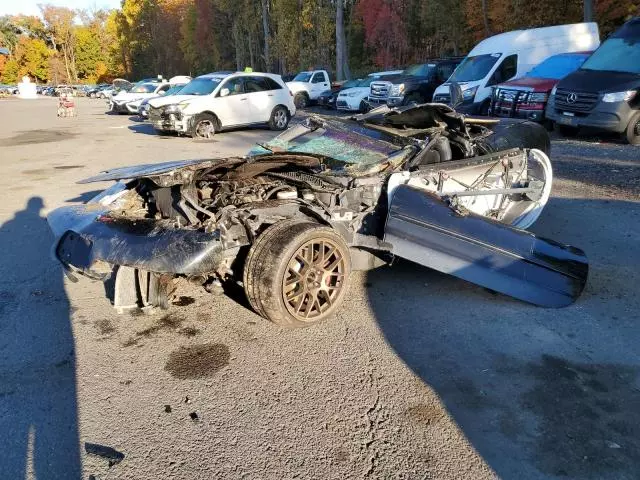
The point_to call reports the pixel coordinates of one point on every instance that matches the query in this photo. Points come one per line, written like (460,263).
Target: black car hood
(601,82)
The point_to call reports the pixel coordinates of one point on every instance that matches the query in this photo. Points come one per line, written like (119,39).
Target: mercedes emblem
(572,97)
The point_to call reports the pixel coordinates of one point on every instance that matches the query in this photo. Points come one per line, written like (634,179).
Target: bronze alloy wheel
(314,279)
(296,273)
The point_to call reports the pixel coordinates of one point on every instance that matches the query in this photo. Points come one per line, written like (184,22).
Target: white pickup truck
(307,86)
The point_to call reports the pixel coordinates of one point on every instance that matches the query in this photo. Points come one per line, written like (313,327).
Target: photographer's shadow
(38,406)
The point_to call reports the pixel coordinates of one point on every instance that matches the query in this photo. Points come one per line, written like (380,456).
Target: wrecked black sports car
(291,220)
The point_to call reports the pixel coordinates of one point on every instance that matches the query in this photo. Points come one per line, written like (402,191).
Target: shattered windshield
(354,150)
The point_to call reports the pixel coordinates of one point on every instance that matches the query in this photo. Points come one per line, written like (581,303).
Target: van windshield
(475,68)
(616,55)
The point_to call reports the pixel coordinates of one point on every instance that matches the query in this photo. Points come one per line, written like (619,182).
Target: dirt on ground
(419,375)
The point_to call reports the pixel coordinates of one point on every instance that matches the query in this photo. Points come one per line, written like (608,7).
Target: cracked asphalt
(419,376)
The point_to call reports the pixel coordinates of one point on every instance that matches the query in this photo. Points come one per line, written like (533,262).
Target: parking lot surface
(419,376)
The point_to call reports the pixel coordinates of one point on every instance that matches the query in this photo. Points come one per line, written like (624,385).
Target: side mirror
(455,92)
(224,92)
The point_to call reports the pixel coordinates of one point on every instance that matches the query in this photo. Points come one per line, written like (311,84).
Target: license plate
(567,120)
(569,114)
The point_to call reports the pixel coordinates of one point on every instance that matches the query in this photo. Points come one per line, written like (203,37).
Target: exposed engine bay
(337,178)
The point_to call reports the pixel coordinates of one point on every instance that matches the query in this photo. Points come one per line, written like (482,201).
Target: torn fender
(425,230)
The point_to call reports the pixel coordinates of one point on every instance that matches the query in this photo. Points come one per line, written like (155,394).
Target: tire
(364,107)
(566,130)
(284,260)
(413,99)
(279,118)
(301,100)
(483,111)
(633,130)
(92,95)
(204,126)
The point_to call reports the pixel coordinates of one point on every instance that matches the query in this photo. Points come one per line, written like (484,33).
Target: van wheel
(296,273)
(301,100)
(279,118)
(484,109)
(203,126)
(633,130)
(566,130)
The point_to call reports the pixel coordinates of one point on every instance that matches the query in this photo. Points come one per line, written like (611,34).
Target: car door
(232,106)
(260,97)
(319,83)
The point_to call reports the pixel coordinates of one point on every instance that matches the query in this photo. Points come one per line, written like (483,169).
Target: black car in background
(605,92)
(415,84)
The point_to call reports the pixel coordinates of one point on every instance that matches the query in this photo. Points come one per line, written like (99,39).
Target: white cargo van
(511,55)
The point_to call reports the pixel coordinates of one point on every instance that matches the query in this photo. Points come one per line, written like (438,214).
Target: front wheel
(204,126)
(301,100)
(296,273)
(633,130)
(279,118)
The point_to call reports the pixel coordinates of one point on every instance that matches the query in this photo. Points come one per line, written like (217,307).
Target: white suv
(216,101)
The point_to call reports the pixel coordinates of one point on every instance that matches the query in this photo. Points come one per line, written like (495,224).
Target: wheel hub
(314,279)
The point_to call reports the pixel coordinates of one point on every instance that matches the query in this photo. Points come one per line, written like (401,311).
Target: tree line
(145,38)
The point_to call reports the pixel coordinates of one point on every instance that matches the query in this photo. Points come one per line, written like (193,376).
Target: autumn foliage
(149,37)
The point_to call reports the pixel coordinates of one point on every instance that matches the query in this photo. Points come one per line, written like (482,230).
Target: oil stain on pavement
(197,361)
(30,137)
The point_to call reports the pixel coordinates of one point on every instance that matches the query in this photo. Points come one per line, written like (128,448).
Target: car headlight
(538,97)
(553,90)
(469,93)
(396,90)
(619,96)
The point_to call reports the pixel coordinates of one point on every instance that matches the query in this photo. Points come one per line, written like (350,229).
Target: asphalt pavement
(419,376)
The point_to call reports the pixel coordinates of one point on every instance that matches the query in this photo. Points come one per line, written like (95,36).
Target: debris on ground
(193,416)
(167,409)
(111,454)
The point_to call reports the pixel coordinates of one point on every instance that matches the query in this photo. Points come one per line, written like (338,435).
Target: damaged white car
(293,219)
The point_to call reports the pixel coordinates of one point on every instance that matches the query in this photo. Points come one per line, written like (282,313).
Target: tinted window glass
(255,84)
(235,86)
(273,85)
(475,68)
(506,71)
(420,70)
(318,78)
